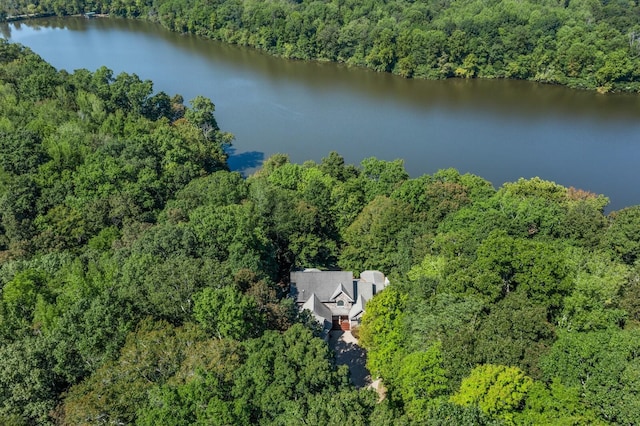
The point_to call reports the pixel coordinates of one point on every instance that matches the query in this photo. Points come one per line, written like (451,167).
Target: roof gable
(317,308)
(341,290)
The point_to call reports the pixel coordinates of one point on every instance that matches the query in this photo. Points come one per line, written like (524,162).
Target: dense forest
(142,282)
(580,43)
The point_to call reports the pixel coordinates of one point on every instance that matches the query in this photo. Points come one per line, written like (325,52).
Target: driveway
(349,353)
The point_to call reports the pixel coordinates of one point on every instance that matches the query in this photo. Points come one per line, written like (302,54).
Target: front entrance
(340,323)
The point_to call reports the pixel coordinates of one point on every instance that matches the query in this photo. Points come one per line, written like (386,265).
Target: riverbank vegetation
(579,43)
(142,282)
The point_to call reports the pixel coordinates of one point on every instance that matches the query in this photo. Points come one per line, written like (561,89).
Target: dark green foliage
(372,239)
(113,393)
(515,332)
(584,221)
(227,313)
(204,400)
(85,157)
(141,282)
(622,236)
(217,189)
(28,386)
(283,368)
(334,166)
(331,408)
(504,273)
(296,209)
(269,381)
(21,152)
(604,365)
(630,295)
(504,264)
(580,44)
(164,288)
(89,333)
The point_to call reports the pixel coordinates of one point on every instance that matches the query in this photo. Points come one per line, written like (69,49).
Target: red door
(344,323)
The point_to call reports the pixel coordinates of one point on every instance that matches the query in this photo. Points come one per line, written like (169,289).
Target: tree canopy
(143,282)
(583,44)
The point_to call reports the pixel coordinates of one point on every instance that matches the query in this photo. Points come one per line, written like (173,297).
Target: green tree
(202,401)
(594,302)
(421,379)
(201,115)
(372,239)
(382,177)
(497,390)
(28,385)
(617,67)
(381,332)
(334,166)
(26,292)
(622,235)
(585,221)
(232,234)
(446,413)
(557,404)
(218,189)
(130,93)
(114,392)
(199,392)
(225,312)
(21,152)
(516,332)
(351,407)
(603,365)
(540,269)
(630,295)
(281,369)
(18,208)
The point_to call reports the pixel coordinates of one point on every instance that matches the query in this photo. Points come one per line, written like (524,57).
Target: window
(340,303)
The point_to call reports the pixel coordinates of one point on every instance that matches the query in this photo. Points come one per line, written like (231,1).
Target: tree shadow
(353,356)
(244,162)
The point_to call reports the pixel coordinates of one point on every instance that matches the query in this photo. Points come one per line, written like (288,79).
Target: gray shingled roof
(375,277)
(319,311)
(317,291)
(357,308)
(321,283)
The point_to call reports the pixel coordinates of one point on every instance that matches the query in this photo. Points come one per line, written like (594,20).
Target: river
(500,130)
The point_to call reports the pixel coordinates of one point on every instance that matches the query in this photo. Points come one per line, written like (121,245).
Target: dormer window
(340,303)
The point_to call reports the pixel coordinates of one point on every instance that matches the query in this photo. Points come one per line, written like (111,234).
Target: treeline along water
(500,130)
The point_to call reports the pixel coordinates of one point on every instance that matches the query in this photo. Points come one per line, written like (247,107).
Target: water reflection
(512,97)
(244,162)
(500,130)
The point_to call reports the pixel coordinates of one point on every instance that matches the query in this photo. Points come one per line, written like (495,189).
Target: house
(335,298)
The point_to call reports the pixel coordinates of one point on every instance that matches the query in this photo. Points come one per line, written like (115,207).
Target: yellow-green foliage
(498,390)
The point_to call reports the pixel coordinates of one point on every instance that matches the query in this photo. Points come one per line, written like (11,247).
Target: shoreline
(16,18)
(25,17)
(601,90)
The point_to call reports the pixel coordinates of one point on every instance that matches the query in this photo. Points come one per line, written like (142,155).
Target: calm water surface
(500,130)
